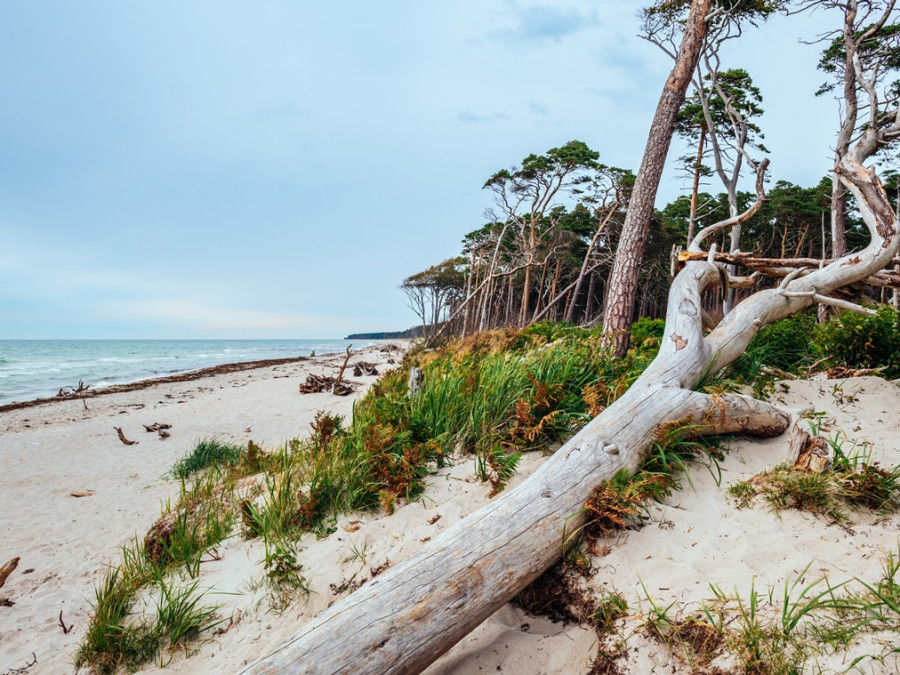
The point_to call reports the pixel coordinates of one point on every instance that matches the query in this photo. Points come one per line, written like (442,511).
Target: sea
(31,369)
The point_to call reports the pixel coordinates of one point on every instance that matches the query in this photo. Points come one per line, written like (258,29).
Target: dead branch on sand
(122,437)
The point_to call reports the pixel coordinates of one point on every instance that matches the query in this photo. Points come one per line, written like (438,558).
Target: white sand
(49,451)
(697,538)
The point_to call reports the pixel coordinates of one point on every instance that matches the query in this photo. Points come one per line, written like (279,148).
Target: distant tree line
(549,248)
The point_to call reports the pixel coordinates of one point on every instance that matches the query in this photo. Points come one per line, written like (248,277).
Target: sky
(275,169)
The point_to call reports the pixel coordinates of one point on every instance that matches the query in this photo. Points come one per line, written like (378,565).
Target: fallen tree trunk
(403,620)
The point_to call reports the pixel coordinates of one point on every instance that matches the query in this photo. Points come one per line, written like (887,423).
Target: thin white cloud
(471,118)
(544,22)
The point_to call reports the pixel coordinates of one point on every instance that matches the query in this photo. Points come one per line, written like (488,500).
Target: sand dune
(697,538)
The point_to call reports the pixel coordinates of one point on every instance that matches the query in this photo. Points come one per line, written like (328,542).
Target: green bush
(646,328)
(646,337)
(859,341)
(787,345)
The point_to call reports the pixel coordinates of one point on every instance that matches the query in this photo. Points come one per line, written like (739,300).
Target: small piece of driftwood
(82,493)
(156,426)
(122,437)
(7,569)
(62,623)
(364,368)
(340,375)
(414,382)
(319,383)
(810,453)
(840,372)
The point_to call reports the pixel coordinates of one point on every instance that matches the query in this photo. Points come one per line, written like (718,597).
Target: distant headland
(409,333)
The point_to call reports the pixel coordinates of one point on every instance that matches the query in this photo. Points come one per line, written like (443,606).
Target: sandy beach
(697,538)
(59,448)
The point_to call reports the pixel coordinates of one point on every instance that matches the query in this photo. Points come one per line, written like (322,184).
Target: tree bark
(695,189)
(623,279)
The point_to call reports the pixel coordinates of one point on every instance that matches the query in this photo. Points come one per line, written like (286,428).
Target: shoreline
(73,493)
(137,385)
(42,370)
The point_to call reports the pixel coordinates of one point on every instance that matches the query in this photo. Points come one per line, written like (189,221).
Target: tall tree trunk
(540,293)
(509,297)
(570,311)
(695,191)
(555,282)
(589,301)
(470,280)
(838,219)
(623,280)
(851,109)
(523,311)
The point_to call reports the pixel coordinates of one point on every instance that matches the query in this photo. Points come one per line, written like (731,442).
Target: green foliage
(796,343)
(208,452)
(860,341)
(786,345)
(283,573)
(610,609)
(115,639)
(647,333)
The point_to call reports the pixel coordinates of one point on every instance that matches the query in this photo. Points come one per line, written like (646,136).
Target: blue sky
(275,169)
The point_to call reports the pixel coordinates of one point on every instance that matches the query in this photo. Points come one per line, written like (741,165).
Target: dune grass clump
(207,453)
(851,482)
(118,638)
(501,393)
(805,625)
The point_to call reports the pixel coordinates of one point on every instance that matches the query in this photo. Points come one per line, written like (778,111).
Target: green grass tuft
(207,453)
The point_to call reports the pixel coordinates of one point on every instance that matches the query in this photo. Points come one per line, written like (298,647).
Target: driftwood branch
(340,374)
(122,437)
(8,569)
(782,267)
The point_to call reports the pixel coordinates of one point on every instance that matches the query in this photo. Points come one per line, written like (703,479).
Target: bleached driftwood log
(403,620)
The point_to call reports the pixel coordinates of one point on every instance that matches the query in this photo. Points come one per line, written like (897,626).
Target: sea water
(32,369)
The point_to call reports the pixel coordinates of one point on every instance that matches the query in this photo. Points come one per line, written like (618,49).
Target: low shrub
(860,341)
(787,345)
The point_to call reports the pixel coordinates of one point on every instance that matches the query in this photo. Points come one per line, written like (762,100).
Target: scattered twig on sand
(6,602)
(232,622)
(364,368)
(122,437)
(62,623)
(82,493)
(840,372)
(7,569)
(156,426)
(340,375)
(17,671)
(82,387)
